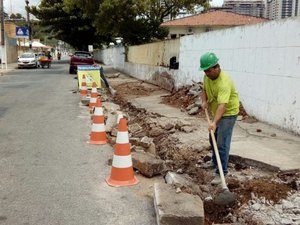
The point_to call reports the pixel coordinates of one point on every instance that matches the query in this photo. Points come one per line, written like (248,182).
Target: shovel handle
(216,150)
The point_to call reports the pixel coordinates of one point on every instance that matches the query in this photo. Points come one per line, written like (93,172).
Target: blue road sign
(22,32)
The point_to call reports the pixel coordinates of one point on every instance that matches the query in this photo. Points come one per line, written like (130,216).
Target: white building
(245,7)
(279,9)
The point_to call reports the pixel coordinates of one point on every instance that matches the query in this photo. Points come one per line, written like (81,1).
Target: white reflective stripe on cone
(122,161)
(98,111)
(96,127)
(84,88)
(122,137)
(94,90)
(93,100)
(120,116)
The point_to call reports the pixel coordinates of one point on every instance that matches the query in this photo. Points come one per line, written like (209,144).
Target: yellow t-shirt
(222,90)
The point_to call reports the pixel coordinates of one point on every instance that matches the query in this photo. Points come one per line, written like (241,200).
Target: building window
(173,36)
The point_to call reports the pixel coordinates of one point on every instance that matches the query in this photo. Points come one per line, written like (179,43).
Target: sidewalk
(256,143)
(10,67)
(271,146)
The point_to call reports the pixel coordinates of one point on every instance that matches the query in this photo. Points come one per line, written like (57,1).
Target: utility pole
(3,49)
(2,22)
(29,24)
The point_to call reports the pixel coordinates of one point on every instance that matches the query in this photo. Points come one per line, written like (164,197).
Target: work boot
(216,180)
(208,165)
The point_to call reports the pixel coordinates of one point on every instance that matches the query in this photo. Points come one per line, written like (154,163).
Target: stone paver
(177,208)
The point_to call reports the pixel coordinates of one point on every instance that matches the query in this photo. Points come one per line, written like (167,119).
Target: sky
(18,6)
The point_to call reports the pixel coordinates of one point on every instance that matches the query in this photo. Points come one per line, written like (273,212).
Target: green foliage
(16,16)
(84,22)
(70,27)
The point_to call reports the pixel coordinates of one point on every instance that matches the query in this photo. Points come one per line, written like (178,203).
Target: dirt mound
(138,88)
(183,99)
(180,98)
(268,189)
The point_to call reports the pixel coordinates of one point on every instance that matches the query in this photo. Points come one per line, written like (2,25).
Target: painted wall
(184,30)
(263,60)
(105,56)
(155,54)
(10,43)
(11,50)
(111,56)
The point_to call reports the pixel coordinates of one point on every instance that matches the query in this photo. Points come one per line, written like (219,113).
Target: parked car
(27,60)
(80,58)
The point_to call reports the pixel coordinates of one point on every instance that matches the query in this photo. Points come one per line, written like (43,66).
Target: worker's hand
(204,105)
(213,127)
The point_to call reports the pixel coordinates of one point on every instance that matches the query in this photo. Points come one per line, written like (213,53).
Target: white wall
(111,56)
(183,30)
(263,60)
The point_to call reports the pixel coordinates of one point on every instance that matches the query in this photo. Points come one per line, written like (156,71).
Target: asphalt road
(48,174)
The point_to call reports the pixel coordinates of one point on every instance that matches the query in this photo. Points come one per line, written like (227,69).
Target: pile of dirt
(137,88)
(183,99)
(262,188)
(180,98)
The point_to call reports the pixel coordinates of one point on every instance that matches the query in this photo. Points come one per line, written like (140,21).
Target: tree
(70,26)
(161,9)
(17,16)
(83,22)
(137,21)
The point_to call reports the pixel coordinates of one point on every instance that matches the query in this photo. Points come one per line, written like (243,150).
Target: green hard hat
(208,60)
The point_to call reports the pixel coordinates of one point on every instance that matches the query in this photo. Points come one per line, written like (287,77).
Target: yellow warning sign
(92,74)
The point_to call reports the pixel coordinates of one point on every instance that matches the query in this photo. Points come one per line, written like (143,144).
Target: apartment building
(245,7)
(280,9)
(270,9)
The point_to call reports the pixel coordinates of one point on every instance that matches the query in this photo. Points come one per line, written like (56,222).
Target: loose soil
(272,186)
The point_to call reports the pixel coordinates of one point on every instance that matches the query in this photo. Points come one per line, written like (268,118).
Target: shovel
(111,90)
(225,197)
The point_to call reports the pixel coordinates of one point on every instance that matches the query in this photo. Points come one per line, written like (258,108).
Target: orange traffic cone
(98,134)
(83,89)
(120,116)
(94,96)
(122,173)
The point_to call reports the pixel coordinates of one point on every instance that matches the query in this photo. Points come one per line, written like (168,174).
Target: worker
(220,95)
(48,54)
(102,75)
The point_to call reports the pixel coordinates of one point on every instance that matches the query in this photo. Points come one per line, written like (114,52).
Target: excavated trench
(250,184)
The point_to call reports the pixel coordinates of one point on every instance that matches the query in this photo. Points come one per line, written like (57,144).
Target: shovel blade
(225,198)
(112,91)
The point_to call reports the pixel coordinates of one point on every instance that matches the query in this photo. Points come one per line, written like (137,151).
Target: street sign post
(22,32)
(92,74)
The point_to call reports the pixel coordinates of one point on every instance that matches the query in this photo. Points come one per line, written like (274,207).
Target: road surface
(48,173)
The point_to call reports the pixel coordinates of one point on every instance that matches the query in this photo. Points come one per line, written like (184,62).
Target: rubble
(285,212)
(264,197)
(147,164)
(175,207)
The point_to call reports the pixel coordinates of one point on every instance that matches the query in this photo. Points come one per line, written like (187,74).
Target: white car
(27,60)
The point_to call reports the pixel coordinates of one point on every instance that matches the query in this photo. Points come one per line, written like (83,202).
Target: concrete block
(177,208)
(147,164)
